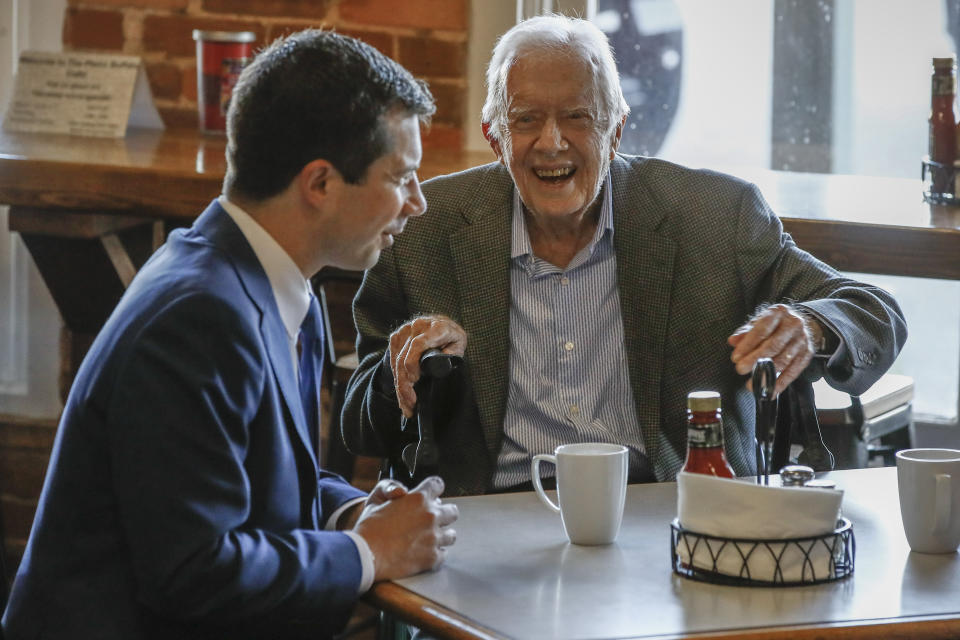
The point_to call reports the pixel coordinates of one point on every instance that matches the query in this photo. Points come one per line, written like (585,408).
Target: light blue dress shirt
(568,368)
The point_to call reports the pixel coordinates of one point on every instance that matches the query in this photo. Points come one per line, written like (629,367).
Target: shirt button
(564,280)
(574,410)
(568,346)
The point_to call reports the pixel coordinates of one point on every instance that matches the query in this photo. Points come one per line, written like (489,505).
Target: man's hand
(409,342)
(384,491)
(408,533)
(780,333)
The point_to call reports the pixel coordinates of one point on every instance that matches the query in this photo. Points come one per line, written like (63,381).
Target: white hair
(553,32)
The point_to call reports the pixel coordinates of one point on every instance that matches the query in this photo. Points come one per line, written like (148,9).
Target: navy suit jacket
(183,497)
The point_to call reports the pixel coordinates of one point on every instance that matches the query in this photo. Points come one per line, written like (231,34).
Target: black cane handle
(424,453)
(763,381)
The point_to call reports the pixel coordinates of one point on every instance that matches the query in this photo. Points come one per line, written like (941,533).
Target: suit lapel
(645,264)
(217,226)
(481,255)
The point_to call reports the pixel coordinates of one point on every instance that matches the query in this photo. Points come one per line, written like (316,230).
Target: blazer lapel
(216,225)
(481,255)
(645,264)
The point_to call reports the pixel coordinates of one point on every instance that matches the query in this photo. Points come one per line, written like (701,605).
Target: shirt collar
(520,236)
(290,289)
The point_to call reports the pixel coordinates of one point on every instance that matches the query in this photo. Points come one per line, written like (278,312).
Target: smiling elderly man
(591,291)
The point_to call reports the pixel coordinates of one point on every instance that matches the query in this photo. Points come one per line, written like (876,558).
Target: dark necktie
(310,348)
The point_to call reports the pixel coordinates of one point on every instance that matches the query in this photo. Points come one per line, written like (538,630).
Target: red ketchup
(705,453)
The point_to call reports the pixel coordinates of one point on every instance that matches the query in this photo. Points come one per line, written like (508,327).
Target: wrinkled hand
(408,533)
(409,342)
(780,333)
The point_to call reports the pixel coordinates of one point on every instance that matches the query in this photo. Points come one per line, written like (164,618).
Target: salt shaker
(795,475)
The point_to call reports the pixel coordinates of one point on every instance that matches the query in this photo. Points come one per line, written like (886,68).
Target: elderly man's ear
(617,133)
(492,141)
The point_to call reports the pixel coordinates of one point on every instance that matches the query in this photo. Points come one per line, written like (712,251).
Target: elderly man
(591,291)
(183,497)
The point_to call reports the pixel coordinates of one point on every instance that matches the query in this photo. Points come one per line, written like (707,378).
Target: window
(830,86)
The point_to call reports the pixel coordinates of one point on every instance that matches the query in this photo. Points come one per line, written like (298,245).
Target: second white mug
(591,489)
(929,484)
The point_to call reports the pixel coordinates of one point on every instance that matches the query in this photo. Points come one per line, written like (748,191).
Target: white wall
(29,321)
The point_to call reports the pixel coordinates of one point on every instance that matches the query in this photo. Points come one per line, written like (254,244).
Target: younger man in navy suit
(183,497)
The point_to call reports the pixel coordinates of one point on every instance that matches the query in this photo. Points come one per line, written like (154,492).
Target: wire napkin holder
(779,562)
(785,562)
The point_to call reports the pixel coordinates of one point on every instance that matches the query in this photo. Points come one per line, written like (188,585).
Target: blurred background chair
(335,289)
(867,430)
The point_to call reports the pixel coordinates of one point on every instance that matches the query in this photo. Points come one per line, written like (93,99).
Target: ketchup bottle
(943,120)
(705,452)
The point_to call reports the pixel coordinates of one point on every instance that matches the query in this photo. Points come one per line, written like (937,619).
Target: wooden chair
(335,289)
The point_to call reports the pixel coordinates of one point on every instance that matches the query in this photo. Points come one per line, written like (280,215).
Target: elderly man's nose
(551,137)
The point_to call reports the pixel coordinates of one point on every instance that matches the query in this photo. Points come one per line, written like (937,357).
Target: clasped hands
(408,531)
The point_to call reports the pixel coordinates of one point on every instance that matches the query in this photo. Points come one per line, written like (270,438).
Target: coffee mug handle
(535,476)
(941,503)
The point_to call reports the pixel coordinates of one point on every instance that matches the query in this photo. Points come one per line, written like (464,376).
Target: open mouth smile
(555,176)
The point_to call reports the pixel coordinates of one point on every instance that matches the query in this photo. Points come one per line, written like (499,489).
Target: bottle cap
(703,401)
(945,63)
(795,475)
(224,36)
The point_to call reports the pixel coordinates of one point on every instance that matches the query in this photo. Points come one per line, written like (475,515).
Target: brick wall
(429,37)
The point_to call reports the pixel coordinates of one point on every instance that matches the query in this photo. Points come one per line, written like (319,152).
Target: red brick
(189,82)
(382,42)
(93,29)
(450,102)
(443,137)
(176,5)
(179,117)
(421,14)
(174,34)
(282,8)
(433,58)
(165,80)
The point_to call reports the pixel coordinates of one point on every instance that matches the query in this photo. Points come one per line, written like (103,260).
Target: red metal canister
(221,56)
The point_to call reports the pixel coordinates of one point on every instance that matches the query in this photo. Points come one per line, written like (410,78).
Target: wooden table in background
(92,210)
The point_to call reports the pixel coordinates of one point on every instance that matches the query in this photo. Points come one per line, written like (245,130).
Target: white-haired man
(590,291)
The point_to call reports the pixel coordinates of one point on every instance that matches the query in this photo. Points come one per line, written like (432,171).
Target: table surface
(512,573)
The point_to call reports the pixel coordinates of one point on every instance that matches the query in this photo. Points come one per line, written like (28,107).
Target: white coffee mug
(591,489)
(929,482)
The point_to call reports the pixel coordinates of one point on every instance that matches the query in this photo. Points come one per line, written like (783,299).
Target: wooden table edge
(437,619)
(426,614)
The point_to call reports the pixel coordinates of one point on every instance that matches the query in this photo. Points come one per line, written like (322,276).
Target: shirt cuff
(832,338)
(331,524)
(366,561)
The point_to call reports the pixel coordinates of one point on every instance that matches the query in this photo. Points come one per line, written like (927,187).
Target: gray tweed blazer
(697,252)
